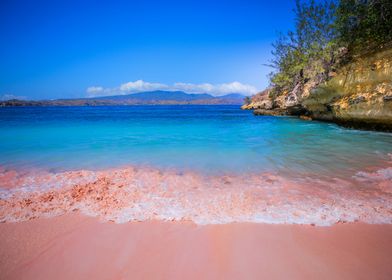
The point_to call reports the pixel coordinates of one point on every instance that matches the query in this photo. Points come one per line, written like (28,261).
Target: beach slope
(74,246)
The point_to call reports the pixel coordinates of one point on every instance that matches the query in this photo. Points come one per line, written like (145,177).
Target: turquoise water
(206,164)
(211,139)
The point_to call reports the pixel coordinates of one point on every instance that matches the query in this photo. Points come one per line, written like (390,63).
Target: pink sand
(79,247)
(141,194)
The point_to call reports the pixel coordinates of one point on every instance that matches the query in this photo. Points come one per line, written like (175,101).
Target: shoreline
(141,194)
(75,246)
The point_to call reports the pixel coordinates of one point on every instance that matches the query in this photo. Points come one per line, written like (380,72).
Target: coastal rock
(292,99)
(264,112)
(261,100)
(359,94)
(305,118)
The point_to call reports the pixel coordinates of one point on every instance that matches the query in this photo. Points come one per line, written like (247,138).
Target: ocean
(196,162)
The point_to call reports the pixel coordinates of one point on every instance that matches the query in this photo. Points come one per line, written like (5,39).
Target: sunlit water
(208,164)
(203,138)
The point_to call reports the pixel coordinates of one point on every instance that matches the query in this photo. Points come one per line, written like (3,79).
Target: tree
(247,100)
(322,29)
(307,51)
(364,24)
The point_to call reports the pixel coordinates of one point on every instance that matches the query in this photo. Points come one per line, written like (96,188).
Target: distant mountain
(141,98)
(234,96)
(160,95)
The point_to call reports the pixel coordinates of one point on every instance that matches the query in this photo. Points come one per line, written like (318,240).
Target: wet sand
(74,246)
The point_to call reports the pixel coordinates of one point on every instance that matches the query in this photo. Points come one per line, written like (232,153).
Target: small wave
(139,194)
(379,175)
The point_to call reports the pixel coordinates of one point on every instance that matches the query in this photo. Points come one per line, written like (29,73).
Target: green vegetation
(327,34)
(247,100)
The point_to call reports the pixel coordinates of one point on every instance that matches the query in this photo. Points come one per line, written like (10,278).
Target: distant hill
(141,98)
(159,95)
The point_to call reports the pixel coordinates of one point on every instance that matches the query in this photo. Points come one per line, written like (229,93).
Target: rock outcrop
(358,95)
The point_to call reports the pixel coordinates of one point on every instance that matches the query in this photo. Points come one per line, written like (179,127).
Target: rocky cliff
(358,94)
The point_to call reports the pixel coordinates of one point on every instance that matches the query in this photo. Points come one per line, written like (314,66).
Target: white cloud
(9,96)
(140,86)
(95,90)
(194,88)
(219,89)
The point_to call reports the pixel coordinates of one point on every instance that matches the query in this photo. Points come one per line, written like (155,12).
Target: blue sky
(61,49)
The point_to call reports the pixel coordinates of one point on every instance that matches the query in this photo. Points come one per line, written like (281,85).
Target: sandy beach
(141,223)
(75,246)
(205,140)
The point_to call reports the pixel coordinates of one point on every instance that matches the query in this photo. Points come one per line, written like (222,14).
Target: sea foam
(142,193)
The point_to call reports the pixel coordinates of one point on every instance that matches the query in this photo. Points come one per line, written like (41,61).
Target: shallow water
(202,138)
(208,164)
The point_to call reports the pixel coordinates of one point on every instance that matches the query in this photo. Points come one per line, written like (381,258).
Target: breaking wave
(142,193)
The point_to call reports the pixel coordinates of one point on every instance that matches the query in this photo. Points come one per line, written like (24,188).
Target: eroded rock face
(261,100)
(357,95)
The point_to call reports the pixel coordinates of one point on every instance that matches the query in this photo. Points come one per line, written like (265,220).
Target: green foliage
(247,100)
(322,30)
(364,25)
(307,50)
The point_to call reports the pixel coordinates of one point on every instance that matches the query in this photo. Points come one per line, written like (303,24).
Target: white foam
(139,194)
